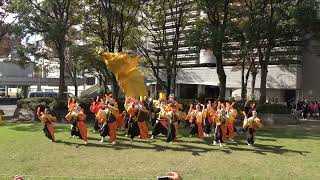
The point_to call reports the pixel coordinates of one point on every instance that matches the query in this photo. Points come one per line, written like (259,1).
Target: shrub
(33,103)
(273,108)
(239,105)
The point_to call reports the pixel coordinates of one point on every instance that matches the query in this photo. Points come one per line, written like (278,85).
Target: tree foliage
(50,19)
(163,22)
(110,23)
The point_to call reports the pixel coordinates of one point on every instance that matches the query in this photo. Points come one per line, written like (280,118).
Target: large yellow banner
(124,67)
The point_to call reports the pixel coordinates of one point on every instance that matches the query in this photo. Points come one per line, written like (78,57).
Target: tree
(111,22)
(278,26)
(92,64)
(50,19)
(162,42)
(73,60)
(5,27)
(263,25)
(247,33)
(212,32)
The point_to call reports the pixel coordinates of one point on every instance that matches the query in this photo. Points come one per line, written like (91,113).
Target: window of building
(91,81)
(212,92)
(188,91)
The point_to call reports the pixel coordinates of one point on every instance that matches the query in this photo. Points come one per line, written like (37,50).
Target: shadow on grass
(264,149)
(285,133)
(265,139)
(32,127)
(195,150)
(77,145)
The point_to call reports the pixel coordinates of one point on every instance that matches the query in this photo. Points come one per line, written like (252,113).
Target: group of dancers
(166,115)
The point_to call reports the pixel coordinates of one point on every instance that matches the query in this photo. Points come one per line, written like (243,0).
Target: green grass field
(282,153)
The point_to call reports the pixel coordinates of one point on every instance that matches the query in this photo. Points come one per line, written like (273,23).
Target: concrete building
(292,72)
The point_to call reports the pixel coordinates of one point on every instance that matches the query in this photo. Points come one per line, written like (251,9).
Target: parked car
(43,94)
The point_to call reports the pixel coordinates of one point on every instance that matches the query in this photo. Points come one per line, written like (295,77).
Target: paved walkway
(8,109)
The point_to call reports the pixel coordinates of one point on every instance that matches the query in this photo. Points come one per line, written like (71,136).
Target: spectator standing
(305,109)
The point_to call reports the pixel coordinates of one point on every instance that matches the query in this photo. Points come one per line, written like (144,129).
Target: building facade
(291,73)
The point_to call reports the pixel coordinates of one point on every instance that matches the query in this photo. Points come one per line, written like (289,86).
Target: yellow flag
(124,67)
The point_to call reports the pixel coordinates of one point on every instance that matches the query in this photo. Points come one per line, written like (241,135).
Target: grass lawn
(281,153)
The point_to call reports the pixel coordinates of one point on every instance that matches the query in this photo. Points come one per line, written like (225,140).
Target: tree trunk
(263,85)
(100,81)
(243,85)
(168,87)
(245,79)
(264,73)
(115,87)
(105,87)
(221,75)
(253,82)
(158,83)
(61,55)
(75,82)
(174,79)
(75,87)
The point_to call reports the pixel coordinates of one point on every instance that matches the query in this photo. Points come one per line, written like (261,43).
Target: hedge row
(56,105)
(273,108)
(33,103)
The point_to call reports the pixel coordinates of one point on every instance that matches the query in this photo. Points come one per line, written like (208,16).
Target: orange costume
(161,125)
(209,119)
(198,117)
(72,115)
(94,108)
(109,127)
(251,124)
(119,118)
(231,118)
(221,128)
(82,126)
(142,123)
(137,124)
(199,120)
(47,120)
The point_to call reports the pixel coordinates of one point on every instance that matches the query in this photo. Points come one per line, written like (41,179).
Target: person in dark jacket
(305,109)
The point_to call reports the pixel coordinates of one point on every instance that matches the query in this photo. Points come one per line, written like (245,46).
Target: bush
(273,108)
(239,105)
(33,103)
